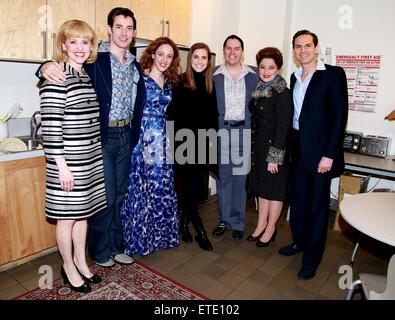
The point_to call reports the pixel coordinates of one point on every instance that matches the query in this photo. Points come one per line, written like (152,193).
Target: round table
(371,213)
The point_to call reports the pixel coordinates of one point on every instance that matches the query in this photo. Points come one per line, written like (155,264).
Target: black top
(193,110)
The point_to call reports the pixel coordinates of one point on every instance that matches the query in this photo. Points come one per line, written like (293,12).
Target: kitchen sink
(32,143)
(20,144)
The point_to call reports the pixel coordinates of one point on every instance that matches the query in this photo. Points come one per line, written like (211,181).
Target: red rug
(127,282)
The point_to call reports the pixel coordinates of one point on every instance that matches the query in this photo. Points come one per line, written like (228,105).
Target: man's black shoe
(236,234)
(220,229)
(289,250)
(306,273)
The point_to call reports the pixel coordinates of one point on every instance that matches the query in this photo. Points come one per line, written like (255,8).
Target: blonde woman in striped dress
(71,135)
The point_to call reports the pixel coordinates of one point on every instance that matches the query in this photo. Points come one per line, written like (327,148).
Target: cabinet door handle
(53,44)
(44,53)
(162,22)
(168,28)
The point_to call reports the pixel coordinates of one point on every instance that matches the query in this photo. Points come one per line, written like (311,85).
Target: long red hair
(146,60)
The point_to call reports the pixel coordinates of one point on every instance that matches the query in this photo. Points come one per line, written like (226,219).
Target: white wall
(18,84)
(259,23)
(204,22)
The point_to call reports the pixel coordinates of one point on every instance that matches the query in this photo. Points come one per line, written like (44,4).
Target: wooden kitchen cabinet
(24,229)
(149,16)
(177,15)
(21,25)
(59,11)
(28,28)
(103,7)
(157,18)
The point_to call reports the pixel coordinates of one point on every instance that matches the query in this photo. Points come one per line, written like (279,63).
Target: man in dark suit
(320,101)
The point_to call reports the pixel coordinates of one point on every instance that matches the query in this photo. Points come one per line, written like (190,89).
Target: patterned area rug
(121,282)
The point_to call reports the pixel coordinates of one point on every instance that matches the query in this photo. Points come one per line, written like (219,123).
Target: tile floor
(236,269)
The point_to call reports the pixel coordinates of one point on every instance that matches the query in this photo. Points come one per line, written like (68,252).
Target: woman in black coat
(194,110)
(271,110)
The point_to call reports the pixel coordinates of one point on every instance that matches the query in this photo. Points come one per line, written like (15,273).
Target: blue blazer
(251,79)
(323,118)
(101,77)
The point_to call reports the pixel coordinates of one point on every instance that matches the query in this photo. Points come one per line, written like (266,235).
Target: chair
(376,287)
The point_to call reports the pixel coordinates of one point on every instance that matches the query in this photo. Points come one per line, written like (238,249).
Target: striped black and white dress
(71,130)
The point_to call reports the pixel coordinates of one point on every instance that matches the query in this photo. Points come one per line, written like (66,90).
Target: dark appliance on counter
(352,141)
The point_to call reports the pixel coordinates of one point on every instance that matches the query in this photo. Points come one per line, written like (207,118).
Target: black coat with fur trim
(271,122)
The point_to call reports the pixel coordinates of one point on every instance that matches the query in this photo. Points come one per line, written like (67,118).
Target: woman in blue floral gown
(149,210)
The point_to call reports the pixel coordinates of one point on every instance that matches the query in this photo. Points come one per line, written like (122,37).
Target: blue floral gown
(149,210)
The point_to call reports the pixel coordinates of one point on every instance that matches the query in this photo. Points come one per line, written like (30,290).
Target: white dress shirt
(299,91)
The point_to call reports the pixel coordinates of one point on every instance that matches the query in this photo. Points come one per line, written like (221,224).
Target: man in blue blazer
(234,83)
(118,81)
(320,101)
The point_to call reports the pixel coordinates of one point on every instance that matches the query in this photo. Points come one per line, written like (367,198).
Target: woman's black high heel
(262,244)
(95,279)
(252,238)
(84,288)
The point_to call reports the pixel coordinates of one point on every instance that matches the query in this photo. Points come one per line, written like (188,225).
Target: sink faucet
(34,125)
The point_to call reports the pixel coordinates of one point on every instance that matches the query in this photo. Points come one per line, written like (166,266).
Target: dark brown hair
(303,33)
(233,36)
(270,53)
(188,78)
(146,60)
(119,11)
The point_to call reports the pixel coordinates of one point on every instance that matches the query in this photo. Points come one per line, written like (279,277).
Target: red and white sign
(363,74)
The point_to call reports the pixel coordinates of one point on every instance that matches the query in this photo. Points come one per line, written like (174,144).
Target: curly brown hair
(146,60)
(270,53)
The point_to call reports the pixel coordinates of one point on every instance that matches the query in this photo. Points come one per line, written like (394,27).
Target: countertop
(21,155)
(370,165)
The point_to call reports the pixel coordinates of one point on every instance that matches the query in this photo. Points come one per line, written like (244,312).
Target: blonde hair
(75,29)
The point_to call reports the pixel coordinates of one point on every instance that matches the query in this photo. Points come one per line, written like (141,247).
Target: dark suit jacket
(195,110)
(101,77)
(323,118)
